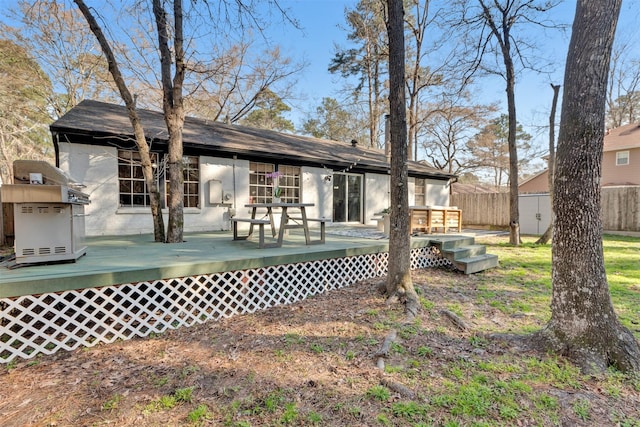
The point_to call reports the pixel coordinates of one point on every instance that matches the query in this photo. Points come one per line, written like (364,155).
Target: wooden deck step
(451,242)
(464,252)
(477,263)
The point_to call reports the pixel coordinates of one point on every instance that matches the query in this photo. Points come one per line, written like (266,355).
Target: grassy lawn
(525,278)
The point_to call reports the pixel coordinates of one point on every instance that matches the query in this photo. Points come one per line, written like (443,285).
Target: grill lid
(23,171)
(38,181)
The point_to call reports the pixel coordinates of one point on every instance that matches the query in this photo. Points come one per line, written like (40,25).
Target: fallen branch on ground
(457,321)
(401,389)
(383,353)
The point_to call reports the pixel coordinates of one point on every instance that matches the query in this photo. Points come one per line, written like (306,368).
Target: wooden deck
(125,259)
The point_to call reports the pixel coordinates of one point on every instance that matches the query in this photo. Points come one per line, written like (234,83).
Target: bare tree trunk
(502,32)
(173,107)
(373,95)
(399,277)
(514,214)
(141,141)
(548,234)
(412,124)
(583,324)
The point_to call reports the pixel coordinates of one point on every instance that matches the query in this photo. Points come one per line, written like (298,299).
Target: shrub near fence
(620,208)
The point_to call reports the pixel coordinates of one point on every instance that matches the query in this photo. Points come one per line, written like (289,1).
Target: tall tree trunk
(514,213)
(173,107)
(141,141)
(502,32)
(373,92)
(548,234)
(399,277)
(412,124)
(583,323)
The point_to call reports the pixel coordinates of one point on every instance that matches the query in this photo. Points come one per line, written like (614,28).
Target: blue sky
(321,21)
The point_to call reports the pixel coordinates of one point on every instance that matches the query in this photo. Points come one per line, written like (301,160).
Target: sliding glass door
(347,197)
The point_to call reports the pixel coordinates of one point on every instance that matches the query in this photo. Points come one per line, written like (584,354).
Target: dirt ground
(309,363)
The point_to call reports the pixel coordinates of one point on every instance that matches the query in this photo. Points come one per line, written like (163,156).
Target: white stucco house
(225,167)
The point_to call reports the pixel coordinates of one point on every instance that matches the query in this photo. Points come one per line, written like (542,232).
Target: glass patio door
(347,197)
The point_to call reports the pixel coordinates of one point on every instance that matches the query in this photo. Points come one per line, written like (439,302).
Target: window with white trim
(288,179)
(260,182)
(191,184)
(419,192)
(191,171)
(133,187)
(266,178)
(622,158)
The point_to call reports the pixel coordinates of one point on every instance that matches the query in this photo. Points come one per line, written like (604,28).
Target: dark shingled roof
(100,119)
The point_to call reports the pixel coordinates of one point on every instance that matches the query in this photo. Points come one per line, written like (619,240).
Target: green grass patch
(522,284)
(409,410)
(379,392)
(314,418)
(290,414)
(166,402)
(426,304)
(112,403)
(317,348)
(199,414)
(292,338)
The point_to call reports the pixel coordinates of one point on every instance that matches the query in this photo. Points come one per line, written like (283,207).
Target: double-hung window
(133,191)
(191,185)
(289,181)
(419,192)
(266,178)
(622,158)
(260,182)
(132,185)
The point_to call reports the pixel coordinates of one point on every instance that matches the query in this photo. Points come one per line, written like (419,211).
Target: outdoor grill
(48,213)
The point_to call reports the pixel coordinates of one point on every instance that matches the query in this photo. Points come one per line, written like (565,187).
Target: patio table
(287,221)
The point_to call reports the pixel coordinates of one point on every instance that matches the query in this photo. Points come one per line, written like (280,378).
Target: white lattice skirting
(34,324)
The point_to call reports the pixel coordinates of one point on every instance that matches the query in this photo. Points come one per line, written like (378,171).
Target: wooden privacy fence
(483,208)
(620,208)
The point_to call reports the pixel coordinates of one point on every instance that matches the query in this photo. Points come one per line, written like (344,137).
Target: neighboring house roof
(102,120)
(534,176)
(622,138)
(625,137)
(459,188)
(537,183)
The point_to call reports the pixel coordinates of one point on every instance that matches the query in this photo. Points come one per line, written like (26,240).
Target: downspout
(56,148)
(451,182)
(234,187)
(387,153)
(387,137)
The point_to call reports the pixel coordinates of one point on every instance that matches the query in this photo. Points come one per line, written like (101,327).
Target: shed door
(535,213)
(347,197)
